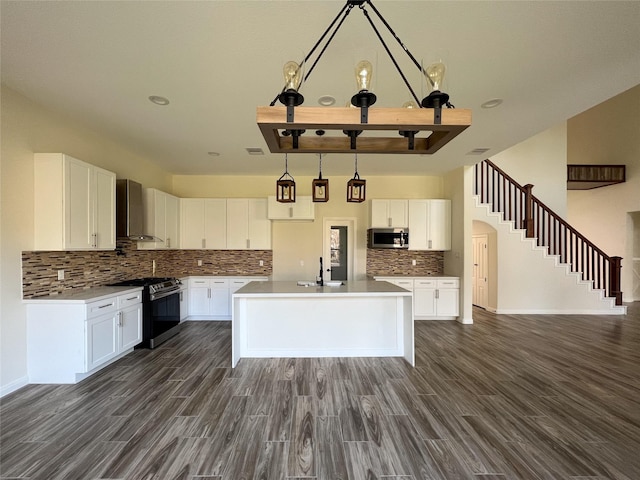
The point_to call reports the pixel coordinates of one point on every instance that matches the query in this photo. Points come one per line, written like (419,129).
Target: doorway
(339,253)
(339,248)
(480,270)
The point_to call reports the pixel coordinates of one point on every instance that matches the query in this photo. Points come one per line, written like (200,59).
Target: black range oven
(160,308)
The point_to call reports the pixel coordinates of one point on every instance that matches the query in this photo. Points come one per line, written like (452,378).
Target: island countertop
(292,289)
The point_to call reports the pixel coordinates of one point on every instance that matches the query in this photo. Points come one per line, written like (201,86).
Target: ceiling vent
(587,177)
(254,151)
(478,151)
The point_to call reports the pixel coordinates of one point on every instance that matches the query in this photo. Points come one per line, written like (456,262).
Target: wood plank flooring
(510,397)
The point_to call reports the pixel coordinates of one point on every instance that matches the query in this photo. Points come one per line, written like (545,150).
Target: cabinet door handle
(204,243)
(168,242)
(94,240)
(181,296)
(106,305)
(290,212)
(429,243)
(437,294)
(248,243)
(208,293)
(131,298)
(119,319)
(389,222)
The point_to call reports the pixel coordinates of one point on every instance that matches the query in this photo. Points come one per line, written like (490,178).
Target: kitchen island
(358,319)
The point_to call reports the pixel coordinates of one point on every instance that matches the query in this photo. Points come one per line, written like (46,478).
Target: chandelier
(284,127)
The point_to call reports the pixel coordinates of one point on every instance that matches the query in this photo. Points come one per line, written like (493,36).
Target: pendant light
(320,186)
(356,187)
(286,186)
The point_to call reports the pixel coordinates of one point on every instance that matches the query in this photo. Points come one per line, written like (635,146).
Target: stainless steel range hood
(129,212)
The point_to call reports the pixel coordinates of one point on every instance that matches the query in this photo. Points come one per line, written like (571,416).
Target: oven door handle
(158,296)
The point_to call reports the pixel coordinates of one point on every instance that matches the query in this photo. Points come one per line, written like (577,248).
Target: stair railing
(518,205)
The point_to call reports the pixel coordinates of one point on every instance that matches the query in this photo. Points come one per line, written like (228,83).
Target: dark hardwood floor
(510,397)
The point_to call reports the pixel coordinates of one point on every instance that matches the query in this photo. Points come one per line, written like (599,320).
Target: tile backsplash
(96,268)
(391,261)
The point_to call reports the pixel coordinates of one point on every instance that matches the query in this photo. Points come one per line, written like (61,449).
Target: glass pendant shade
(292,75)
(364,72)
(409,104)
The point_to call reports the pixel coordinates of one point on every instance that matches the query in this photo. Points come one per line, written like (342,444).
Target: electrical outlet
(60,274)
(199,263)
(413,262)
(262,263)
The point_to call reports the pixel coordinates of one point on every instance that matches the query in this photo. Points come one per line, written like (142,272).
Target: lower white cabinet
(210,297)
(435,298)
(70,338)
(184,303)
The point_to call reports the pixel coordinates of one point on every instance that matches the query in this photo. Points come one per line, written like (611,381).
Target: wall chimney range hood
(129,212)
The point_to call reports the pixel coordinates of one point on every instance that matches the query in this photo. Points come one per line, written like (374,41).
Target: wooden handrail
(517,204)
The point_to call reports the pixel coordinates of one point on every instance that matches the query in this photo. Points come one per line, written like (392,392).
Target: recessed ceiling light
(326,100)
(159,100)
(254,151)
(214,154)
(493,103)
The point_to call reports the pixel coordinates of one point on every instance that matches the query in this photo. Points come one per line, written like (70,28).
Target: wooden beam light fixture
(426,129)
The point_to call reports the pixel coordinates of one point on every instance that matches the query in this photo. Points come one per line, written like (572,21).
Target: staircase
(527,217)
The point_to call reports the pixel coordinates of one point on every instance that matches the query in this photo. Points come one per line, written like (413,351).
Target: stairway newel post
(528,211)
(615,267)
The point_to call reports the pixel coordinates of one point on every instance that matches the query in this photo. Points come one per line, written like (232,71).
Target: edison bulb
(435,75)
(364,72)
(292,75)
(409,104)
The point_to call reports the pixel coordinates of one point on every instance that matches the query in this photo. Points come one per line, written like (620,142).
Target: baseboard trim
(621,310)
(13,386)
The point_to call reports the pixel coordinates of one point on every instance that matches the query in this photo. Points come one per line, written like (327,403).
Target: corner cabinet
(69,339)
(74,204)
(302,209)
(430,224)
(161,219)
(389,213)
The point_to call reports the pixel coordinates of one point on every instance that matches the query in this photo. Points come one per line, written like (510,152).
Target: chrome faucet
(320,280)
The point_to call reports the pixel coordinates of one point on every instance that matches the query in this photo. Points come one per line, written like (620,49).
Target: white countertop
(80,296)
(292,289)
(415,277)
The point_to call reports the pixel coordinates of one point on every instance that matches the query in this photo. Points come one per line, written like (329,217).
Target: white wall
(26,129)
(540,161)
(608,133)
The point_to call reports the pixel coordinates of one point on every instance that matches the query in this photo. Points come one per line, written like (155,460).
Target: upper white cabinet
(302,209)
(203,223)
(389,213)
(161,219)
(248,227)
(74,204)
(430,224)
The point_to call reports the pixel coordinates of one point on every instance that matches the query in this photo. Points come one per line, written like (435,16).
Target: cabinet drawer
(198,282)
(449,283)
(129,299)
(219,283)
(103,306)
(406,284)
(426,283)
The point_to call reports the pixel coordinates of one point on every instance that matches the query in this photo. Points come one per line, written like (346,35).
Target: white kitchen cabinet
(203,223)
(430,224)
(389,213)
(72,336)
(434,298)
(74,204)
(184,303)
(248,226)
(210,296)
(161,219)
(302,209)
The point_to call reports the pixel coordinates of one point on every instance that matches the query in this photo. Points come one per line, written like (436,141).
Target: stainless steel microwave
(388,238)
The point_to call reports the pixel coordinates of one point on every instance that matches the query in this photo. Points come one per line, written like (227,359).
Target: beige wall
(609,134)
(297,246)
(26,129)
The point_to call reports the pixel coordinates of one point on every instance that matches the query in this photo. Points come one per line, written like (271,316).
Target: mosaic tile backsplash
(389,261)
(93,269)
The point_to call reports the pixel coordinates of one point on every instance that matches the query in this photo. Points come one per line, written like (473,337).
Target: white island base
(359,319)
